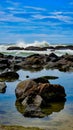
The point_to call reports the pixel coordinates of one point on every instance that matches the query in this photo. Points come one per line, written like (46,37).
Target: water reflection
(45,111)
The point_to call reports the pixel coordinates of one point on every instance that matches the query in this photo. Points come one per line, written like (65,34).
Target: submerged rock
(36,94)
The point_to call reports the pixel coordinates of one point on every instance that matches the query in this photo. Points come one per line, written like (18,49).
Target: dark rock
(2,87)
(27,76)
(50,77)
(37,62)
(23,88)
(35,59)
(9,76)
(15,48)
(50,92)
(41,80)
(33,48)
(52,57)
(1,55)
(4,63)
(63,47)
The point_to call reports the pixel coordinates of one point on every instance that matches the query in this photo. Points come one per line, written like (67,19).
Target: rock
(15,48)
(46,90)
(4,63)
(1,55)
(41,80)
(37,62)
(2,87)
(34,48)
(63,47)
(23,88)
(8,76)
(50,92)
(48,78)
(27,76)
(35,94)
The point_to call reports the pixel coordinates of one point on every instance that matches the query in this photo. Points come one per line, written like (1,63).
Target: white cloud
(39,16)
(35,8)
(57,15)
(11,18)
(64,18)
(13,3)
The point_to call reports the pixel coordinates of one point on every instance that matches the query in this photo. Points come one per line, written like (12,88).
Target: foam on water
(35,44)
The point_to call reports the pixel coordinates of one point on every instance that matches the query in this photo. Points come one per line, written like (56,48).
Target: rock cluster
(34,48)
(37,62)
(51,61)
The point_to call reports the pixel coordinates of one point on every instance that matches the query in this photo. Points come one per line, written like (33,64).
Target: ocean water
(59,118)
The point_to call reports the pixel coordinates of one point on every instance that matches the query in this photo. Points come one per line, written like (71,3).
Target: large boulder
(38,93)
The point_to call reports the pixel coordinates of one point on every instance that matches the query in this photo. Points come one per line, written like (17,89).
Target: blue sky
(36,20)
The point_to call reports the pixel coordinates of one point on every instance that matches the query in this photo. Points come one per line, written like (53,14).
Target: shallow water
(59,119)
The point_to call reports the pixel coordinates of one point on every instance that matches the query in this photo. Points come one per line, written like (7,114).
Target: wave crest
(36,44)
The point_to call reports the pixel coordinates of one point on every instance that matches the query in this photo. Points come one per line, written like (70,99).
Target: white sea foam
(63,52)
(35,44)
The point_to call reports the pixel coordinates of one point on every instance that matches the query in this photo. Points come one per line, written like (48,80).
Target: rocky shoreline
(35,95)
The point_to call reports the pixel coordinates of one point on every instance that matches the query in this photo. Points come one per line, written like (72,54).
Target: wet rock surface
(37,94)
(37,62)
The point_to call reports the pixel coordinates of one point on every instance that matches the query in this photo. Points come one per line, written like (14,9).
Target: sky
(36,20)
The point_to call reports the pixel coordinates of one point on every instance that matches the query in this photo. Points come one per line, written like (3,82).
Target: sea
(60,116)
